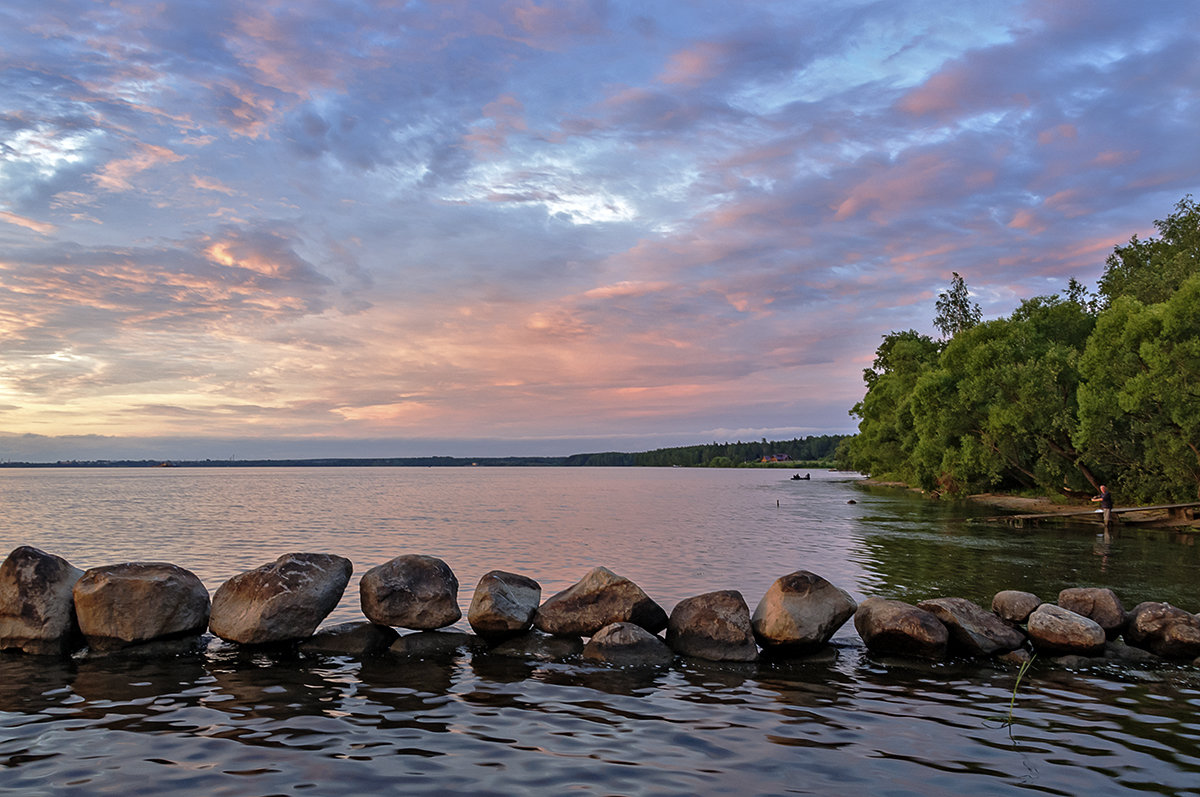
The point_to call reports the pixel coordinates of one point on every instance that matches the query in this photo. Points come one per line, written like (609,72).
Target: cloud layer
(551,224)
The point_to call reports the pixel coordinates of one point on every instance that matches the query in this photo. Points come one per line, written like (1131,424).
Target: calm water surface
(843,722)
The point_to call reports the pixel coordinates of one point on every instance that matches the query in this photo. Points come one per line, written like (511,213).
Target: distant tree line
(1070,391)
(818,450)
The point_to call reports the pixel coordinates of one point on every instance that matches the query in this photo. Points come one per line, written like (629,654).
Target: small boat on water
(796,477)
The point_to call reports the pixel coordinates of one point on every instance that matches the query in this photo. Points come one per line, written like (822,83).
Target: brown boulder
(411,591)
(714,626)
(503,605)
(128,604)
(282,601)
(1164,630)
(627,645)
(1096,603)
(37,606)
(598,599)
(1014,605)
(973,631)
(894,627)
(1059,631)
(800,611)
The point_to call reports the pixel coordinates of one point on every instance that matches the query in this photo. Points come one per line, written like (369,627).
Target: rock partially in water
(1096,603)
(1116,650)
(540,647)
(627,645)
(800,611)
(282,601)
(1058,631)
(37,606)
(411,591)
(436,644)
(598,599)
(355,638)
(124,605)
(1164,630)
(895,627)
(714,626)
(1014,605)
(973,630)
(503,605)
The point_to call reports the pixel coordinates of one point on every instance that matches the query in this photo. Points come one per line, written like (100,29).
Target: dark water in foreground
(229,722)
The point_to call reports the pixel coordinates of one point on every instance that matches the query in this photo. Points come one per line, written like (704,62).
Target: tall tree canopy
(955,310)
(1068,391)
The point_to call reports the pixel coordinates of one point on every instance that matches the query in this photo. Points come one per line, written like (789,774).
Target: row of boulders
(48,606)
(1084,622)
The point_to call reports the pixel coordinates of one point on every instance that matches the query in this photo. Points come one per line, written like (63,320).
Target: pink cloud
(694,66)
(30,224)
(116,175)
(1063,132)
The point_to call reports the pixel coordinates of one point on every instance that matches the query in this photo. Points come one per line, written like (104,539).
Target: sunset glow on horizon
(397,229)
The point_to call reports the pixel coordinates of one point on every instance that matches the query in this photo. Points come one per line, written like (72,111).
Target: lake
(231,722)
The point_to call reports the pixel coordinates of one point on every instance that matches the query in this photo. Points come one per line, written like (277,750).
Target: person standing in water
(1106,504)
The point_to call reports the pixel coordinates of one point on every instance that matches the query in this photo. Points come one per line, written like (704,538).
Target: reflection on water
(238,722)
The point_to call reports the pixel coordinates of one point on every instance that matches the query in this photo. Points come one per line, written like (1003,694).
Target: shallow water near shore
(841,722)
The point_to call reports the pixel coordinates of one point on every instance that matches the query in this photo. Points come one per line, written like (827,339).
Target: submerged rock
(37,605)
(1096,603)
(540,647)
(123,605)
(355,638)
(1060,631)
(282,601)
(714,626)
(503,605)
(598,599)
(973,630)
(627,645)
(1014,605)
(800,611)
(1164,630)
(435,644)
(411,591)
(895,627)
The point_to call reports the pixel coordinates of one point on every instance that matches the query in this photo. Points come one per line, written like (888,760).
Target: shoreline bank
(1025,505)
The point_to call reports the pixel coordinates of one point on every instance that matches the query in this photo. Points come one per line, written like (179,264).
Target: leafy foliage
(1068,391)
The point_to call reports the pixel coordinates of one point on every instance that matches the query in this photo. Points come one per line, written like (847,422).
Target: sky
(292,229)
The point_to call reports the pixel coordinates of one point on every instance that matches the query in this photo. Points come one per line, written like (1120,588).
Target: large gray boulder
(1060,631)
(125,605)
(973,631)
(1164,630)
(37,607)
(503,605)
(899,628)
(282,601)
(627,645)
(1096,603)
(800,611)
(598,599)
(714,626)
(1014,605)
(411,591)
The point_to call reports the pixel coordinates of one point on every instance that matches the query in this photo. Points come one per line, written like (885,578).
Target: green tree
(1152,270)
(886,432)
(1139,406)
(1000,408)
(955,310)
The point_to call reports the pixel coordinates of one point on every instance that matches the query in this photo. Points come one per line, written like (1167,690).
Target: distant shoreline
(570,461)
